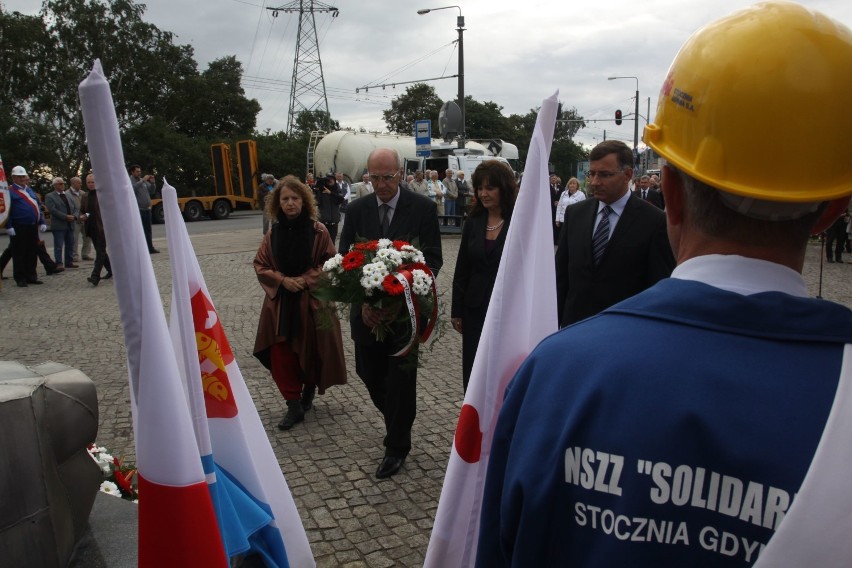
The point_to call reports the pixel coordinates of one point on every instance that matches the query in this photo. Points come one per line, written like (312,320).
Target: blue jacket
(21,212)
(673,429)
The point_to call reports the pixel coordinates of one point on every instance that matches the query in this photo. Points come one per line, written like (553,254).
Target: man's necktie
(385,218)
(65,200)
(601,236)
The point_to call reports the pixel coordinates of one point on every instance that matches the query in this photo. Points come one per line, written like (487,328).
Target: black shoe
(153,251)
(308,397)
(294,415)
(389,466)
(92,281)
(108,275)
(34,282)
(22,284)
(3,277)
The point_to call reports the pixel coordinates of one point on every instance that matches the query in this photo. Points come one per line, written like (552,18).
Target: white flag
(234,448)
(177,525)
(521,313)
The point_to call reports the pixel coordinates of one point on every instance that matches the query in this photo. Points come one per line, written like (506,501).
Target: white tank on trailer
(346,151)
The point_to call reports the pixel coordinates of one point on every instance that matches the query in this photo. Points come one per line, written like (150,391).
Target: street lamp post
(460,24)
(635,116)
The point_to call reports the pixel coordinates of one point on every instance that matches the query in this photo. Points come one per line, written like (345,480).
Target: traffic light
(618,117)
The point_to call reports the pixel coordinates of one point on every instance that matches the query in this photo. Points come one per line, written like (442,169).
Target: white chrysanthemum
(376,267)
(104,462)
(333,263)
(422,282)
(110,488)
(385,243)
(411,254)
(390,257)
(373,274)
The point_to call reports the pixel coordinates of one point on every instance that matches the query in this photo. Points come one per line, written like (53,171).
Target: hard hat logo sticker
(683,99)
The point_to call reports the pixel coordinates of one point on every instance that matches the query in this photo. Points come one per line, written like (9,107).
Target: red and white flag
(521,313)
(254,505)
(177,525)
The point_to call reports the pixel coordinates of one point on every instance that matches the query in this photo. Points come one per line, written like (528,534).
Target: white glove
(42,228)
(10,231)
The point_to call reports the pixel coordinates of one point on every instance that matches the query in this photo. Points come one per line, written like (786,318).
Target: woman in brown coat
(301,355)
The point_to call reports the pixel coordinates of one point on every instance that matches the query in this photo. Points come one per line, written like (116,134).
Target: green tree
(485,120)
(308,121)
(418,102)
(564,153)
(167,111)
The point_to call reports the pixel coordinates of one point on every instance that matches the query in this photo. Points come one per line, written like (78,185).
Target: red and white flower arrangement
(119,480)
(385,274)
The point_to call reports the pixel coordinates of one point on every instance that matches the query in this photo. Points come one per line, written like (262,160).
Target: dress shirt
(742,275)
(617,209)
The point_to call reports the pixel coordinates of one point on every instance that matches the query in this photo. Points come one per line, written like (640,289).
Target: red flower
(417,266)
(392,286)
(399,244)
(123,480)
(369,245)
(353,259)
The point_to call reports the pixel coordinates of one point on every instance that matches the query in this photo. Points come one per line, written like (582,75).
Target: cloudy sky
(516,53)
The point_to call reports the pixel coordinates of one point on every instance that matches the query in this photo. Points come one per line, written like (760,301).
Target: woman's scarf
(292,247)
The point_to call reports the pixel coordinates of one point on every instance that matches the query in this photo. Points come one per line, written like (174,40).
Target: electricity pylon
(307,90)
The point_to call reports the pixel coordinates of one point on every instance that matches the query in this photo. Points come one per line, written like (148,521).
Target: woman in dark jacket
(480,250)
(301,355)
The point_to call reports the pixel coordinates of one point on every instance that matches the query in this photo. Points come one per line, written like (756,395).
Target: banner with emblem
(254,506)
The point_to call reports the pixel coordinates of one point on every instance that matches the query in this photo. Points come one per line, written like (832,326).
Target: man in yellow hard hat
(712,441)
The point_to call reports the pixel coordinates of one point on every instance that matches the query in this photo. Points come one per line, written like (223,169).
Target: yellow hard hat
(756,104)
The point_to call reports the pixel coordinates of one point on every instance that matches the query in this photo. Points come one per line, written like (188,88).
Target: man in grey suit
(613,245)
(391,381)
(64,212)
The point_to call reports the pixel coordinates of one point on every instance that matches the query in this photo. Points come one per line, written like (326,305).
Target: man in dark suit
(647,193)
(613,245)
(391,381)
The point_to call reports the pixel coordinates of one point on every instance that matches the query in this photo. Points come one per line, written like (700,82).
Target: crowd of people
(692,380)
(74,221)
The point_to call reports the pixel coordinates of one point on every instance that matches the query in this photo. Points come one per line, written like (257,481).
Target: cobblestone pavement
(329,461)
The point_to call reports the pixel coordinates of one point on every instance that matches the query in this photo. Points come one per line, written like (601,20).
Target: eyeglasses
(602,174)
(376,178)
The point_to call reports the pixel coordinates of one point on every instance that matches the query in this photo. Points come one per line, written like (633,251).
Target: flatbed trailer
(225,198)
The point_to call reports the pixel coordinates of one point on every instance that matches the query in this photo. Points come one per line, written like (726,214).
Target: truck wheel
(221,210)
(193,211)
(158,215)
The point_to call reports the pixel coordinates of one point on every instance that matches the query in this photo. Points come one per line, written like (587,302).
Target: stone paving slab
(329,461)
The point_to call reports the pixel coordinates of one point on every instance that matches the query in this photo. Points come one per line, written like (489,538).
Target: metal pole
(463,132)
(821,261)
(636,126)
(647,149)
